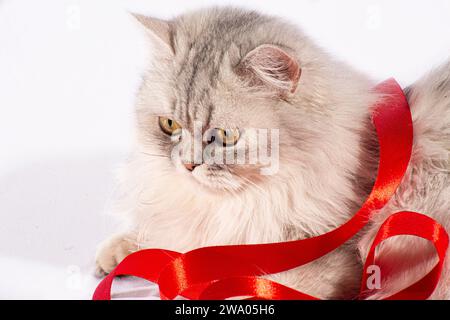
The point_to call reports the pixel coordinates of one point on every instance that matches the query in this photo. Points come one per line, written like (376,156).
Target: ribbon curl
(222,272)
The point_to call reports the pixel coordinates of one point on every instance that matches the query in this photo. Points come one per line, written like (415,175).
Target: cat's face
(214,109)
(216,130)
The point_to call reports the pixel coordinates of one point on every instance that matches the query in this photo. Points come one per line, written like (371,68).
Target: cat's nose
(190,166)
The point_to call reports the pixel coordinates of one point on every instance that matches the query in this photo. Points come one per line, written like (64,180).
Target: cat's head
(233,98)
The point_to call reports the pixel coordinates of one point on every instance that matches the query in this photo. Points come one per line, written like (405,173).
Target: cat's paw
(111,252)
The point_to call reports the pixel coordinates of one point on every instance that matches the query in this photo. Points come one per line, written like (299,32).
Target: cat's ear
(159,31)
(271,66)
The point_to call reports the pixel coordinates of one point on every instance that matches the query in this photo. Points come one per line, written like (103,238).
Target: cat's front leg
(112,251)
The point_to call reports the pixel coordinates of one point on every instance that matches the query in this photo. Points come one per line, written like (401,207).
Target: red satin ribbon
(222,272)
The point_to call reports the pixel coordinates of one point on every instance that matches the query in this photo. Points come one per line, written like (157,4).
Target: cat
(231,70)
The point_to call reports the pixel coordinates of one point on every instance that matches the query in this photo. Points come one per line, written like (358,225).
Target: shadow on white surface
(54,216)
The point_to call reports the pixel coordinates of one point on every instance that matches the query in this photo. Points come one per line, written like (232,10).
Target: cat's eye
(227,137)
(168,126)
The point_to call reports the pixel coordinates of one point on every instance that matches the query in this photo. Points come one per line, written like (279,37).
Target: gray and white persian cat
(232,70)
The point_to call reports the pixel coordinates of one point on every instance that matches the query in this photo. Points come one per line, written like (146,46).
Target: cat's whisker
(155,155)
(159,114)
(239,188)
(230,190)
(259,188)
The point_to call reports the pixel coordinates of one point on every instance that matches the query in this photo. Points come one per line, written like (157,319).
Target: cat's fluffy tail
(429,98)
(425,189)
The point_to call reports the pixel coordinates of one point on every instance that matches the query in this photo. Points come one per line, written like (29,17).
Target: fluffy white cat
(231,70)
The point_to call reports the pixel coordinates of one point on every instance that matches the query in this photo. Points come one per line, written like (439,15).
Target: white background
(68,74)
